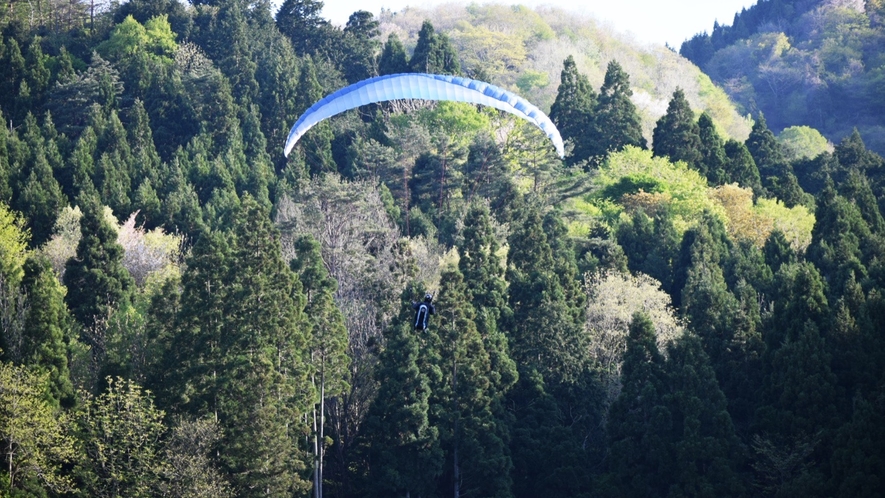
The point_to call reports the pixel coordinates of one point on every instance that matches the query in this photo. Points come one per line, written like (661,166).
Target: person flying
(423,310)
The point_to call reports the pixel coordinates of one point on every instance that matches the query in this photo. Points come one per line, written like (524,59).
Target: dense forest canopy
(687,304)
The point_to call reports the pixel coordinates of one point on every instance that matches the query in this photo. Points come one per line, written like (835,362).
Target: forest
(690,303)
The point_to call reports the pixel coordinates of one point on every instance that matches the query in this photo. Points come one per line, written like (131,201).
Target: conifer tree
(545,327)
(317,143)
(483,270)
(676,134)
(46,329)
(404,456)
(328,342)
(764,148)
(641,460)
(434,53)
(572,111)
(707,452)
(616,122)
(393,58)
(713,158)
(463,399)
(301,22)
(740,167)
(97,282)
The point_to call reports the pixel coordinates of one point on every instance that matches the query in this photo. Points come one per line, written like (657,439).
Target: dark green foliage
(676,134)
(393,58)
(300,21)
(403,447)
(547,305)
(616,121)
(47,329)
(740,167)
(707,453)
(465,398)
(641,462)
(651,246)
(713,157)
(97,270)
(434,53)
(778,251)
(572,112)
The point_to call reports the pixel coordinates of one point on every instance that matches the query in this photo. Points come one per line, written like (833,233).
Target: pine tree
(572,111)
(707,452)
(97,282)
(300,21)
(545,327)
(676,134)
(317,143)
(616,122)
(328,343)
(483,271)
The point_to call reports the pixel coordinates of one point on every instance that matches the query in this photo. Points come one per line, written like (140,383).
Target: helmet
(428,296)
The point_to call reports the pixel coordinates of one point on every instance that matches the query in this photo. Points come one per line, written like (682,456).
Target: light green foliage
(66,235)
(458,121)
(634,178)
(803,142)
(796,223)
(34,438)
(131,38)
(494,51)
(121,441)
(13,244)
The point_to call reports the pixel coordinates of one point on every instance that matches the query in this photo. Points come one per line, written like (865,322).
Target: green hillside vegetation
(522,50)
(685,304)
(803,62)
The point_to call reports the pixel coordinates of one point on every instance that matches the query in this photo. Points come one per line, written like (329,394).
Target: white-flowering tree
(613,297)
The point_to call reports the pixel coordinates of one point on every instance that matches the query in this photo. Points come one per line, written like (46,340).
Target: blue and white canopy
(423,87)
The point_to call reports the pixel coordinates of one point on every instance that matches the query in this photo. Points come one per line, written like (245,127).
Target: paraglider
(423,311)
(425,87)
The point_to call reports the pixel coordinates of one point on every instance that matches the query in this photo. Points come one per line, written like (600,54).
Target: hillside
(685,304)
(815,63)
(522,49)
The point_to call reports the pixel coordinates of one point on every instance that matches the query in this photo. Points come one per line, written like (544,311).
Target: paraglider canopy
(424,87)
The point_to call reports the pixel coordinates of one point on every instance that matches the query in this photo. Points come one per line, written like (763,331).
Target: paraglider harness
(423,311)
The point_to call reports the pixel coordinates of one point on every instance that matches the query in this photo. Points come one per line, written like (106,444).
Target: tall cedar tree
(434,53)
(676,134)
(706,450)
(482,267)
(317,143)
(546,330)
(36,193)
(47,329)
(301,22)
(740,167)
(775,171)
(328,342)
(641,459)
(393,58)
(403,452)
(572,111)
(617,124)
(96,277)
(713,158)
(463,400)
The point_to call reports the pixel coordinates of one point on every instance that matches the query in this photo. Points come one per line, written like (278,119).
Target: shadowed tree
(676,134)
(572,111)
